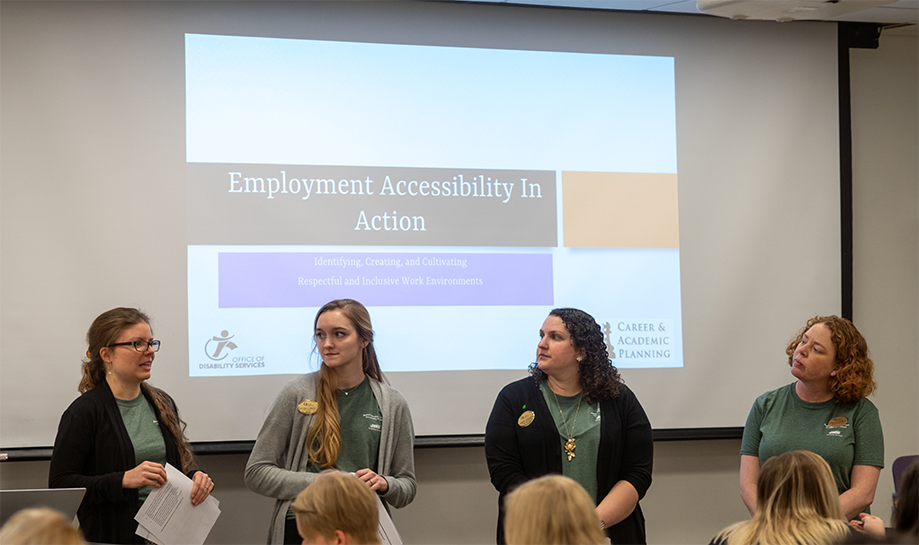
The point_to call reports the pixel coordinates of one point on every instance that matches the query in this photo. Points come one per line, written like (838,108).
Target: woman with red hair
(825,411)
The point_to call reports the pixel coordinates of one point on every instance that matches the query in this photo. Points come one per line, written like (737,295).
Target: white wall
(695,491)
(885,108)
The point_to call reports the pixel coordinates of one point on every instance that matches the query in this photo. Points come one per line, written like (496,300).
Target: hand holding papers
(168,516)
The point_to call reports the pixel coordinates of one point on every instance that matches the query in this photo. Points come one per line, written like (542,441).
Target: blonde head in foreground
(337,508)
(551,510)
(797,503)
(40,526)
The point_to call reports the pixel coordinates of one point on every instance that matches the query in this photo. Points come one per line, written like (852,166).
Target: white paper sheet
(388,533)
(168,517)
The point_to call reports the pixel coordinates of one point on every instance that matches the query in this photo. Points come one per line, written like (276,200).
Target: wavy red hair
(854,379)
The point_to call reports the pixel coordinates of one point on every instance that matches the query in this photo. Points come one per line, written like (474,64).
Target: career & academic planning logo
(639,340)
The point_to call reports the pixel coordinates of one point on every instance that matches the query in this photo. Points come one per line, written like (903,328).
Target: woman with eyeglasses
(116,438)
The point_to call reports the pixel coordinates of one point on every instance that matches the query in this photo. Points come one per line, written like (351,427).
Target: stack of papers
(167,517)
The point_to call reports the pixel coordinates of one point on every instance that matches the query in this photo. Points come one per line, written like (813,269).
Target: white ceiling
(901,15)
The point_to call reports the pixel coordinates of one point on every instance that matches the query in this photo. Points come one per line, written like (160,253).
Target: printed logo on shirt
(596,414)
(836,426)
(375,421)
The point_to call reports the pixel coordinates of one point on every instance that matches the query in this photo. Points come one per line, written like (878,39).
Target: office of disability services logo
(221,349)
(218,344)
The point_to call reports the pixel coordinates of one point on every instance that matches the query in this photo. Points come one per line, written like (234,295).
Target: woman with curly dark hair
(825,411)
(574,416)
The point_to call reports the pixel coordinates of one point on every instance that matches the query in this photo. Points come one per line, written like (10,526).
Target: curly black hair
(599,377)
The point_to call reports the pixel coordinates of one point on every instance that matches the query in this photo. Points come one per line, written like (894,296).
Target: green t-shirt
(583,421)
(844,434)
(144,431)
(361,422)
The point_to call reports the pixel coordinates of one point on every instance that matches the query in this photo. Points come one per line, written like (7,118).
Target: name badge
(526,419)
(308,406)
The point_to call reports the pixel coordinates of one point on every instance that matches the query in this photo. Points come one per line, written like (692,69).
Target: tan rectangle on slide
(620,210)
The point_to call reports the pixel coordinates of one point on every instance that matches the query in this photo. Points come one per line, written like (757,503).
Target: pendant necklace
(569,444)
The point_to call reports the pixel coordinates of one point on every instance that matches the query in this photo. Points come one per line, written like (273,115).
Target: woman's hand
(618,504)
(870,524)
(376,482)
(202,485)
(145,474)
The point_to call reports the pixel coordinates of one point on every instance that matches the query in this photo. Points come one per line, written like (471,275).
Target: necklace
(569,444)
(349,391)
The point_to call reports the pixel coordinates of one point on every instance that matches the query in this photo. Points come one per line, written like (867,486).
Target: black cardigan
(93,450)
(517,453)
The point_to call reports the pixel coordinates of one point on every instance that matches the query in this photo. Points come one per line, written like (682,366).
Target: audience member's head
(40,526)
(906,513)
(551,510)
(799,481)
(337,508)
(797,503)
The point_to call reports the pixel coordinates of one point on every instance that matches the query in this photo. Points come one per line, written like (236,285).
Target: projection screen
(460,169)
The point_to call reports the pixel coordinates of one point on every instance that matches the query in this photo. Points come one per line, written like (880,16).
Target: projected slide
(459,193)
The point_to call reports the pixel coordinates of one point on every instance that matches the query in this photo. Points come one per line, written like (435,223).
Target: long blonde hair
(796,503)
(104,332)
(38,526)
(338,501)
(323,440)
(551,510)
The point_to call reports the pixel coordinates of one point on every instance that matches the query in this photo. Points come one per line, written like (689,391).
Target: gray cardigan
(277,465)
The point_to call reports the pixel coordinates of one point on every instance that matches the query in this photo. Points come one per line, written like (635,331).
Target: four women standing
(573,416)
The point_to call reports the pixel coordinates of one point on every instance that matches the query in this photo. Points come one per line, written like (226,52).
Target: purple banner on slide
(289,280)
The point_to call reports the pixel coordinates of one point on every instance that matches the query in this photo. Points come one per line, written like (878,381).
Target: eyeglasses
(141,346)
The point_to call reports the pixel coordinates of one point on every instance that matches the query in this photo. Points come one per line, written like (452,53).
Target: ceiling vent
(786,10)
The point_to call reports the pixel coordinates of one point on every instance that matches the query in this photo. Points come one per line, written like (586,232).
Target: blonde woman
(40,526)
(551,510)
(342,417)
(337,508)
(797,504)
